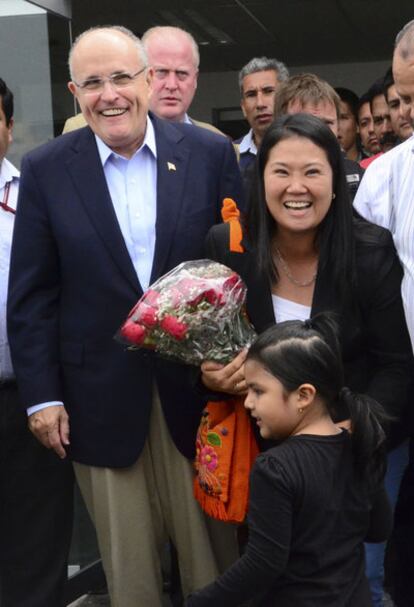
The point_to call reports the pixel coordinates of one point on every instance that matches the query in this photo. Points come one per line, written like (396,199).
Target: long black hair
(335,234)
(297,352)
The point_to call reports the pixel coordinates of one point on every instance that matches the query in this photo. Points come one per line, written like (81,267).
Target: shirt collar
(187,119)
(411,140)
(149,140)
(8,172)
(247,144)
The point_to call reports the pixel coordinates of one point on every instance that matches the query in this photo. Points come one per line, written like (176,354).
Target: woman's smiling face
(298,182)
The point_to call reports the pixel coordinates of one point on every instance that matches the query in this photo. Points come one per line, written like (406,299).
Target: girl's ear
(306,395)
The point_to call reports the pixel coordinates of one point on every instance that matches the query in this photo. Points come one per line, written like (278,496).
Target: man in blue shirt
(103,212)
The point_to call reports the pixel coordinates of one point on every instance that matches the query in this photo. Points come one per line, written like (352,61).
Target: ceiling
(231,32)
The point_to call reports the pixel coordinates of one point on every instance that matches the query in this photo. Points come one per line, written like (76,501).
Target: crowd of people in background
(324,182)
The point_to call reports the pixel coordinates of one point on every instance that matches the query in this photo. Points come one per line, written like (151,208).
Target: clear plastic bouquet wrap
(193,313)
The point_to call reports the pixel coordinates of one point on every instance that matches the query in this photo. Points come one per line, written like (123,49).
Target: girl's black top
(309,515)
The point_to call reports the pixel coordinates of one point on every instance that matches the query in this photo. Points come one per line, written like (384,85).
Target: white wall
(220,89)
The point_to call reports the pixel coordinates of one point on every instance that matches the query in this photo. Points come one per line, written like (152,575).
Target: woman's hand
(225,378)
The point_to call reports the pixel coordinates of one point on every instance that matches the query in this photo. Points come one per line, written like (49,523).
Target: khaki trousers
(135,510)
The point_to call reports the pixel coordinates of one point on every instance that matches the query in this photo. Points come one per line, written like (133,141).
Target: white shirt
(247,144)
(132,184)
(8,174)
(286,309)
(386,197)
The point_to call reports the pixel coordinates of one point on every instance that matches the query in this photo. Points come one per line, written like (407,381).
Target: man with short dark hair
(369,141)
(348,123)
(381,116)
(35,485)
(104,211)
(258,82)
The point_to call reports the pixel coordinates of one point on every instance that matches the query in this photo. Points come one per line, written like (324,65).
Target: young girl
(317,495)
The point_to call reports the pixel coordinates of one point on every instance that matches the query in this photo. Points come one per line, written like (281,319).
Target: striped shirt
(386,197)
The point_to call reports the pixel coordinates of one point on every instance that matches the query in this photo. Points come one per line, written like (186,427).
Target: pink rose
(174,327)
(151,298)
(133,332)
(190,291)
(175,296)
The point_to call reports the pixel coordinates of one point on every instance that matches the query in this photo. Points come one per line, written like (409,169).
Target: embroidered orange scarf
(225,446)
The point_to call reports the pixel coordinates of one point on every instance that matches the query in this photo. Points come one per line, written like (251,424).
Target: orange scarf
(225,451)
(225,446)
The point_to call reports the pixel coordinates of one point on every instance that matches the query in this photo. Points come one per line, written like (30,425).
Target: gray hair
(263,64)
(405,40)
(116,28)
(168,30)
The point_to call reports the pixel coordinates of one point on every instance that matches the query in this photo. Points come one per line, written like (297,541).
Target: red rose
(147,315)
(133,332)
(212,296)
(174,327)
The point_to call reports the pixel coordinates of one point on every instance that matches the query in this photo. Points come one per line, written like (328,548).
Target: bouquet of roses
(193,313)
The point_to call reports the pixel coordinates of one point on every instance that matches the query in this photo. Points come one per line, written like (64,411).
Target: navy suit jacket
(72,284)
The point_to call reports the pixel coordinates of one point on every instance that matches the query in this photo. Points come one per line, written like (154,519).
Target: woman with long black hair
(305,252)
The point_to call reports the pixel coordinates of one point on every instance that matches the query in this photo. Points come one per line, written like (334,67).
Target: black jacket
(375,343)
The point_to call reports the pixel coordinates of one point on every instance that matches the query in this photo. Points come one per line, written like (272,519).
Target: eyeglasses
(118,81)
(163,73)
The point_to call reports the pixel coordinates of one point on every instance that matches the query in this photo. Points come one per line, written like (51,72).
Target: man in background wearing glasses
(103,212)
(174,56)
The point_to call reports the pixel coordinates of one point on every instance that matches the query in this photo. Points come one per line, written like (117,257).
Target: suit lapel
(88,178)
(172,164)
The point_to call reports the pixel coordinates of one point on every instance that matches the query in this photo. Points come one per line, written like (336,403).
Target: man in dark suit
(103,212)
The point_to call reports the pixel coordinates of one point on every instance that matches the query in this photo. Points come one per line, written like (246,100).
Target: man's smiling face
(116,114)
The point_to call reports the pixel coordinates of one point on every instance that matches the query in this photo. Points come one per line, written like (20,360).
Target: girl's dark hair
(350,98)
(335,235)
(297,352)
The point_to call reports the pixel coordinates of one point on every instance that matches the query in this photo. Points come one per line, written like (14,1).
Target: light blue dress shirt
(132,184)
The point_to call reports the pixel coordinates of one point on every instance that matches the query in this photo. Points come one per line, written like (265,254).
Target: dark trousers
(36,511)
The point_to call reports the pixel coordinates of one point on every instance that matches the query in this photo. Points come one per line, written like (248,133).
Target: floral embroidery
(207,457)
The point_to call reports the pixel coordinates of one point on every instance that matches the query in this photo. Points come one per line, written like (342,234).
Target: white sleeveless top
(285,309)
